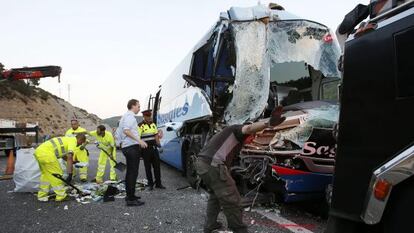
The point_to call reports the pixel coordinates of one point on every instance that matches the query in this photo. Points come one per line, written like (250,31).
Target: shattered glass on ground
(93,192)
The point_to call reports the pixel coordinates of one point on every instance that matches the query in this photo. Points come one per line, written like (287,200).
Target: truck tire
(191,174)
(398,213)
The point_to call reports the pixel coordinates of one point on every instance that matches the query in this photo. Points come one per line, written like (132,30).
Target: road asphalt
(168,210)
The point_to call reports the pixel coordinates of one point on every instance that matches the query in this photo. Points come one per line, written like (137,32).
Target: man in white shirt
(131,145)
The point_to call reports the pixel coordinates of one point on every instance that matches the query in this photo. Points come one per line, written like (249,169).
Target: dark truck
(373,187)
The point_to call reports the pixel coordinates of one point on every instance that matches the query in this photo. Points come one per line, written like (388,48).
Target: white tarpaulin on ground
(26,173)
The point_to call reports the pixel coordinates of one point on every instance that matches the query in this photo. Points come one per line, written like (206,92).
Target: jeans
(132,155)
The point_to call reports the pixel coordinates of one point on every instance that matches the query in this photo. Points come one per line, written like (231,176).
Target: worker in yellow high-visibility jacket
(82,155)
(75,129)
(47,155)
(106,142)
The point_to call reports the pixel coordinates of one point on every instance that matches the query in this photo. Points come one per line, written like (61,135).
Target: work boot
(217,227)
(150,187)
(98,181)
(134,203)
(160,186)
(133,198)
(66,198)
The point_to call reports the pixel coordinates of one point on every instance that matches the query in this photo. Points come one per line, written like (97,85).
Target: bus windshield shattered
(292,63)
(281,63)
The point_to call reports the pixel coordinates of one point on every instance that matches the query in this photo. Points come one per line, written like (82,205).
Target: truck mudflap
(301,185)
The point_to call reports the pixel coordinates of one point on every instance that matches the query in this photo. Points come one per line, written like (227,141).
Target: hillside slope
(113,121)
(28,104)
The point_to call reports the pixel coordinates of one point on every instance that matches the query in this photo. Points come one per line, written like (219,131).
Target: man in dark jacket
(213,164)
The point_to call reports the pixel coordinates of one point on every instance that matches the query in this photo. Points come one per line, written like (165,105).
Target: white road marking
(283,222)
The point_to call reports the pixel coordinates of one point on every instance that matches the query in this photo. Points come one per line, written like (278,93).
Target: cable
(257,194)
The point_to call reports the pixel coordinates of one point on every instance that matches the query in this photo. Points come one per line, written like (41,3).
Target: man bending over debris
(212,165)
(106,142)
(47,155)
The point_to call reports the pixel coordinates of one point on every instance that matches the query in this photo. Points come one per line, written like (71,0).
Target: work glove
(69,178)
(81,165)
(276,117)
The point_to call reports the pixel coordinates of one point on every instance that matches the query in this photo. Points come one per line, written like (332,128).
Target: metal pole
(68,92)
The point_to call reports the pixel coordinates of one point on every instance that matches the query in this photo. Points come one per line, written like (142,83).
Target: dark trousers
(132,155)
(152,160)
(223,194)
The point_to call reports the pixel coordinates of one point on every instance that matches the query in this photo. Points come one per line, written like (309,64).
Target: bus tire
(398,213)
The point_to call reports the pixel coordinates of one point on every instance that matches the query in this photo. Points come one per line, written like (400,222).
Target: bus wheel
(192,176)
(398,214)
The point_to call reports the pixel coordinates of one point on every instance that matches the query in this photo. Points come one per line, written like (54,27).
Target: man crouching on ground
(212,165)
(47,155)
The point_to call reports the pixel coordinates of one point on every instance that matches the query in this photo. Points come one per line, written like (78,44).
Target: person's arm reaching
(92,133)
(275,119)
(254,127)
(129,134)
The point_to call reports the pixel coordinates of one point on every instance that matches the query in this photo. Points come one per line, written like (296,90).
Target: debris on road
(66,207)
(107,191)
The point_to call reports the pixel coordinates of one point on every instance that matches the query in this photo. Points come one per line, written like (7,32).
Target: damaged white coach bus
(252,60)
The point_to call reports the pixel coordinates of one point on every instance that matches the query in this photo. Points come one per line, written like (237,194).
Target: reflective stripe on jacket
(147,131)
(58,146)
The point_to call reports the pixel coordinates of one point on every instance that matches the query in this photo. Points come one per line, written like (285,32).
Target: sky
(111,51)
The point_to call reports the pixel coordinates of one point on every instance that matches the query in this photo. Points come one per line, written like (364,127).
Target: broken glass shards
(251,86)
(323,117)
(304,41)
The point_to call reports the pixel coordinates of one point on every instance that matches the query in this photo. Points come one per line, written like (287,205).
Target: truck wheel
(398,214)
(192,176)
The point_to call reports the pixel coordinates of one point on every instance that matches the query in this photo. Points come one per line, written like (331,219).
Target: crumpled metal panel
(323,117)
(251,86)
(248,13)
